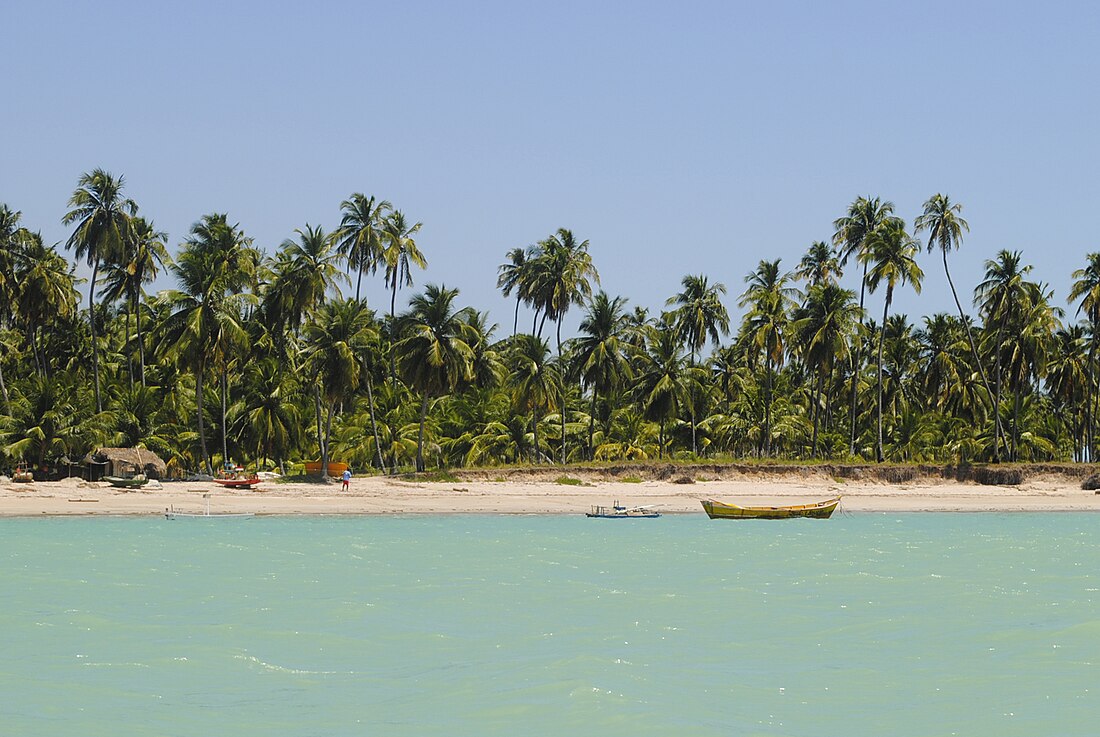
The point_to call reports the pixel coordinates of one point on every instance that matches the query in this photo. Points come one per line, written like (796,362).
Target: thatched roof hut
(128,461)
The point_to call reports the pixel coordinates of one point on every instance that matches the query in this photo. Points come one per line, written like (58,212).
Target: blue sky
(677,138)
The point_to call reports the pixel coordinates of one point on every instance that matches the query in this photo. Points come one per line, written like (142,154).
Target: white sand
(376,495)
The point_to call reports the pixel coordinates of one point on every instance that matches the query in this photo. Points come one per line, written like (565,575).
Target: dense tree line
(261,359)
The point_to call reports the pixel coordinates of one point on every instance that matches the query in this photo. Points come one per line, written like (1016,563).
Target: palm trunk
(141,343)
(4,385)
(130,359)
(202,427)
(393,331)
(591,426)
(661,440)
(95,345)
(374,427)
(320,434)
(768,406)
(857,364)
(817,410)
(225,434)
(328,439)
(535,431)
(358,282)
(1016,422)
(515,321)
(997,401)
(420,436)
(977,360)
(880,456)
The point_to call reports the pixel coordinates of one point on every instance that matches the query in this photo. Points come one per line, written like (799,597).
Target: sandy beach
(383,495)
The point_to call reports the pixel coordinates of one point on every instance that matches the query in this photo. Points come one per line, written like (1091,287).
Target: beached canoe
(818,510)
(238,483)
(120,482)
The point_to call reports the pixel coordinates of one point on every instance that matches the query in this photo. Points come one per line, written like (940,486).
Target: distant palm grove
(273,359)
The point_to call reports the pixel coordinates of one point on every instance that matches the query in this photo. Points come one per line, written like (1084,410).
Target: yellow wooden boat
(819,510)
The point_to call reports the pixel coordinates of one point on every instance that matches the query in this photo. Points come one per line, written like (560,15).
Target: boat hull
(646,515)
(335,468)
(817,510)
(237,483)
(123,483)
(215,515)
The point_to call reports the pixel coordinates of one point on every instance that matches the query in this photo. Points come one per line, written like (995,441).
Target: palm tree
(307,271)
(434,357)
(204,325)
(825,326)
(945,226)
(46,291)
(335,340)
(513,276)
(103,227)
(560,276)
(819,265)
(661,384)
(599,352)
(1086,288)
(139,264)
(891,256)
(852,234)
(699,315)
(764,328)
(536,382)
(360,235)
(400,253)
(1001,295)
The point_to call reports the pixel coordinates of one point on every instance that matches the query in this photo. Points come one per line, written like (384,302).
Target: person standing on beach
(347,479)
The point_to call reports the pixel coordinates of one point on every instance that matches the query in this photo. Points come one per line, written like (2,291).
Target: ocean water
(884,624)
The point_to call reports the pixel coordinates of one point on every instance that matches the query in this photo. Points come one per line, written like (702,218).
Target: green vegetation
(569,481)
(259,357)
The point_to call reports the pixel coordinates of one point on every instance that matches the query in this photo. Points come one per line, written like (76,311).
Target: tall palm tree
(307,272)
(825,325)
(434,357)
(560,276)
(891,258)
(661,378)
(943,221)
(143,255)
(536,382)
(204,326)
(764,328)
(1086,288)
(103,227)
(512,276)
(820,265)
(699,315)
(1001,295)
(852,234)
(360,235)
(400,253)
(46,292)
(335,340)
(599,352)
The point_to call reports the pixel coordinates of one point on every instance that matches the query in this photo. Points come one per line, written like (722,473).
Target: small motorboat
(172,514)
(816,510)
(617,511)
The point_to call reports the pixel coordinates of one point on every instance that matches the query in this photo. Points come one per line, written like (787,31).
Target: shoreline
(393,496)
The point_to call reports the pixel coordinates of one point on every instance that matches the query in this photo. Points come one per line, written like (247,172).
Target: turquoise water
(919,624)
